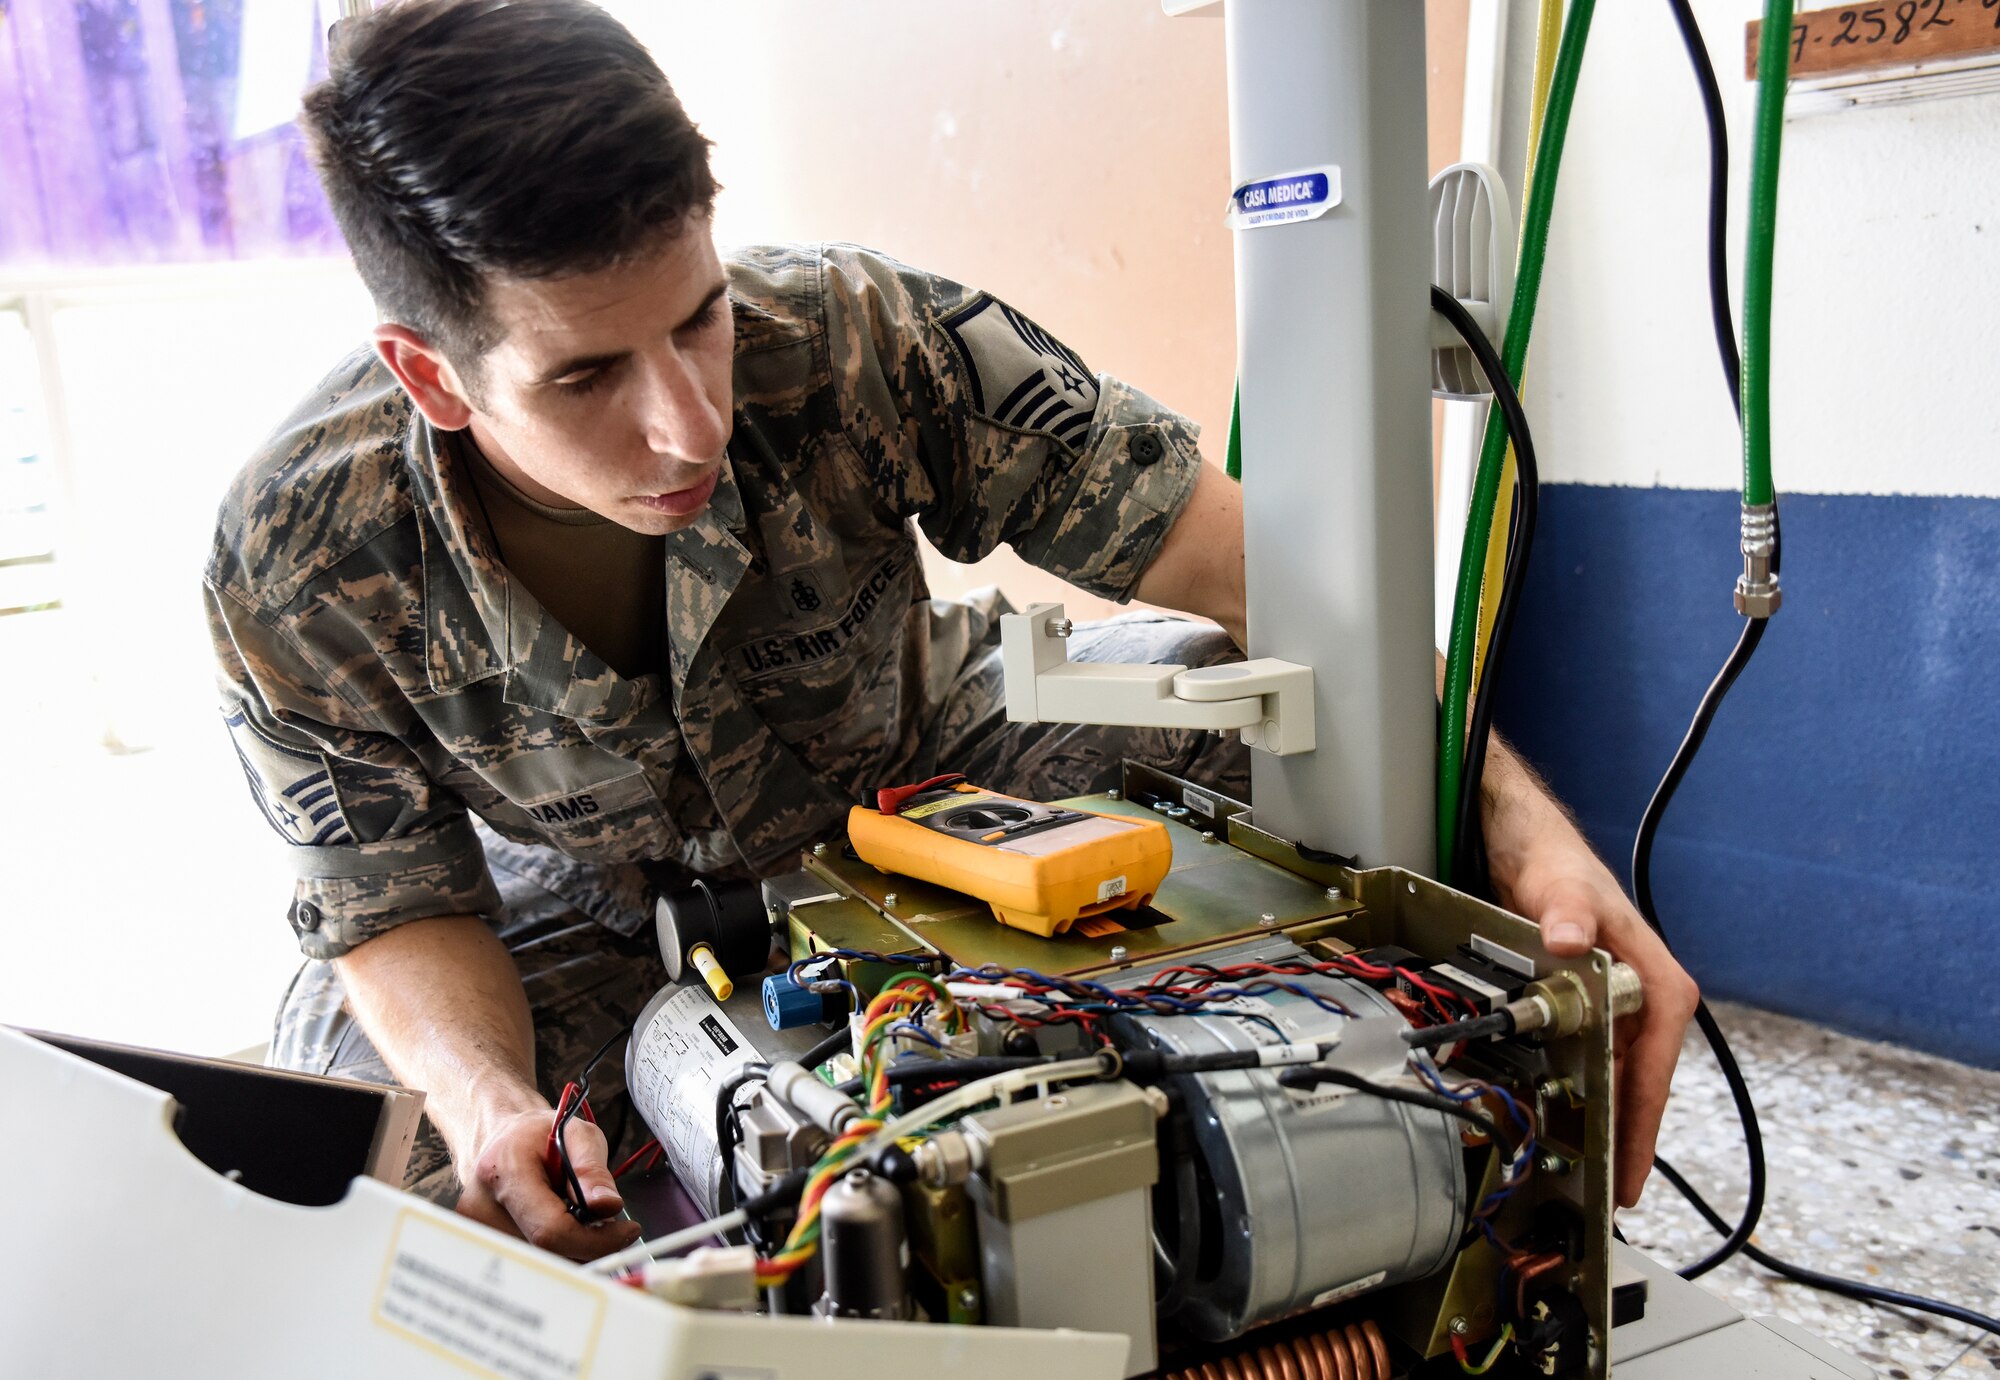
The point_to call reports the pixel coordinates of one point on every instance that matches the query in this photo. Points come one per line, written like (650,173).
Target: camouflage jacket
(384,679)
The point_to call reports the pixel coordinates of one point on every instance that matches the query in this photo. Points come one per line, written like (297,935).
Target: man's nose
(680,419)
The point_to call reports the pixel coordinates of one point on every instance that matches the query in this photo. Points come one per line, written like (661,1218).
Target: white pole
(1333,317)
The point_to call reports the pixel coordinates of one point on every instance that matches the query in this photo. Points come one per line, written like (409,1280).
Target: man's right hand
(505,1184)
(443,1003)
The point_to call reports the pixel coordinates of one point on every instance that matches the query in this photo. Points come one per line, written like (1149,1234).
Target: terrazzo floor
(1884,1166)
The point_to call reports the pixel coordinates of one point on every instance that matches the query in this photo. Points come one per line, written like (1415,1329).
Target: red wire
(648,1148)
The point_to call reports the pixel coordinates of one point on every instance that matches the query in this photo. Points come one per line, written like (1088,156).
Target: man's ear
(426,375)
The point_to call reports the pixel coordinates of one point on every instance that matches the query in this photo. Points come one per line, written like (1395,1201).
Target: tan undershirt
(604,583)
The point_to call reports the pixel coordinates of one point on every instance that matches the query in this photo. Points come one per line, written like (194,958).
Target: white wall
(1886,335)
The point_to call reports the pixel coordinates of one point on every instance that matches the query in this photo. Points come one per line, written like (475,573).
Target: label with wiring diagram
(681,1054)
(489,1309)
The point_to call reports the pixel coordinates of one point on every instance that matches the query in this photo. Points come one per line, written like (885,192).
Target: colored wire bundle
(803,1239)
(887,1018)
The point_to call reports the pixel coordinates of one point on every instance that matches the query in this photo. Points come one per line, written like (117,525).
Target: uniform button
(305,916)
(1146,448)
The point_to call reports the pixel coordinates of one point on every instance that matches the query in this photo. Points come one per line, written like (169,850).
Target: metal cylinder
(863,1249)
(685,1048)
(1294,1200)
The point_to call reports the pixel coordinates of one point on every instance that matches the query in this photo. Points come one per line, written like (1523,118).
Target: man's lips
(682,502)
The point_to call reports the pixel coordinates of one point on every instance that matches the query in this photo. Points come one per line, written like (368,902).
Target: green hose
(1773,69)
(1493,452)
(1233,462)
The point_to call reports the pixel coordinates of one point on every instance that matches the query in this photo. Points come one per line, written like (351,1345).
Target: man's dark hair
(461,139)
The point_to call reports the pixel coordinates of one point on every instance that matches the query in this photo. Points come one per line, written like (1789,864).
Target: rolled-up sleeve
(373,841)
(986,429)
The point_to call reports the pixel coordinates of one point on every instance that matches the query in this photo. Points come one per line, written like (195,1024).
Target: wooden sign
(1854,38)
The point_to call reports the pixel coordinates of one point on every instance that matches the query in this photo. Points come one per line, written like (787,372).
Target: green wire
(1773,70)
(1493,452)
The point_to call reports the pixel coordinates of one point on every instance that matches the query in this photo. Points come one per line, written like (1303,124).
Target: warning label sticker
(488,1308)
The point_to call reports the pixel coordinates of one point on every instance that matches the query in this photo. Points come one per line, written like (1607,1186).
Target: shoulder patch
(293,788)
(1021,376)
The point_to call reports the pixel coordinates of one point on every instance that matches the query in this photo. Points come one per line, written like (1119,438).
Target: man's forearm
(1519,814)
(444,1004)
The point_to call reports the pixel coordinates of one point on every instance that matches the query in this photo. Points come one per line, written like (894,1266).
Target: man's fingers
(1648,1073)
(545,1219)
(1569,926)
(589,1157)
(519,1181)
(482,1208)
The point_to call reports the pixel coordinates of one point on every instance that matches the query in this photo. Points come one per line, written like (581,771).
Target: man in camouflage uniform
(569,383)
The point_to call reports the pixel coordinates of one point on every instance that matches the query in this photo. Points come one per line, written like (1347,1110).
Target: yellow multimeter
(1041,867)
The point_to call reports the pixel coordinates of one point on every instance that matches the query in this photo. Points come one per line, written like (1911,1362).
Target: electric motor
(1292,1200)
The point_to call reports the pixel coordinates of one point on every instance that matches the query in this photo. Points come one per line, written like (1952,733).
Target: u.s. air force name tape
(1293,196)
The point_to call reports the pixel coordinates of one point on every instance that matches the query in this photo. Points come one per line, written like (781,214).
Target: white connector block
(1269,701)
(707,1277)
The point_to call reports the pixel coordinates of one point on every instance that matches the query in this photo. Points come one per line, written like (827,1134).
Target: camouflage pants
(585,983)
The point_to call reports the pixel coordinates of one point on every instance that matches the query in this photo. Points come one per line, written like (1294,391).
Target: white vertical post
(1333,316)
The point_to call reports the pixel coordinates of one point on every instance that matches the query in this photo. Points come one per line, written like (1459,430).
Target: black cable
(826,1049)
(1736,1238)
(1308,1076)
(725,1129)
(1471,876)
(1497,1022)
(1642,894)
(1718,201)
(1833,1284)
(578,1208)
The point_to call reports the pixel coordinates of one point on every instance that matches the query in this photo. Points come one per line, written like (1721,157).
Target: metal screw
(1412,886)
(1459,1326)
(819,850)
(1207,837)
(1549,1162)
(888,898)
(1111,795)
(1549,1089)
(1117,953)
(1334,893)
(968,1299)
(1267,919)
(1061,627)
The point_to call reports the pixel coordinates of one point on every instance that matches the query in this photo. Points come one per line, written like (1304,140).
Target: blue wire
(906,1028)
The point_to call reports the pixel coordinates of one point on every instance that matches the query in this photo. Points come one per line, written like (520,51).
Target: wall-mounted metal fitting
(1757,592)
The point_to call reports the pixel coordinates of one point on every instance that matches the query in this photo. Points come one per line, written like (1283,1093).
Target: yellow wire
(1548,37)
(1506,1336)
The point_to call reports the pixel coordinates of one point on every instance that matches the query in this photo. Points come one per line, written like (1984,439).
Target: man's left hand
(1579,906)
(1543,869)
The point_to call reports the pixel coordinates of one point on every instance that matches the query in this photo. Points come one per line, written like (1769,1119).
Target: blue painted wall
(1835,853)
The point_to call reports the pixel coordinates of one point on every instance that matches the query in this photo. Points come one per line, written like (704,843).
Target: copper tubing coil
(1355,1352)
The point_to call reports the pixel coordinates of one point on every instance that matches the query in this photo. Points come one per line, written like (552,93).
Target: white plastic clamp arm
(1269,701)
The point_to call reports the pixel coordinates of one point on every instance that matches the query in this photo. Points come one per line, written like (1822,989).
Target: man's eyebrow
(715,294)
(580,363)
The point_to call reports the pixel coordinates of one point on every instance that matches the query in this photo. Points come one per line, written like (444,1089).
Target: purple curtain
(120,140)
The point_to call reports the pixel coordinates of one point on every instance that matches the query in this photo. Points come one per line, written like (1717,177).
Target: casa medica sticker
(1303,195)
(492,1310)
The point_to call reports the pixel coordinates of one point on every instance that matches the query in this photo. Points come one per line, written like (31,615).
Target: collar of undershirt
(488,477)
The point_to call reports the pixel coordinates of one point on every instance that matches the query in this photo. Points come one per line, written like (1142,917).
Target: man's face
(611,390)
